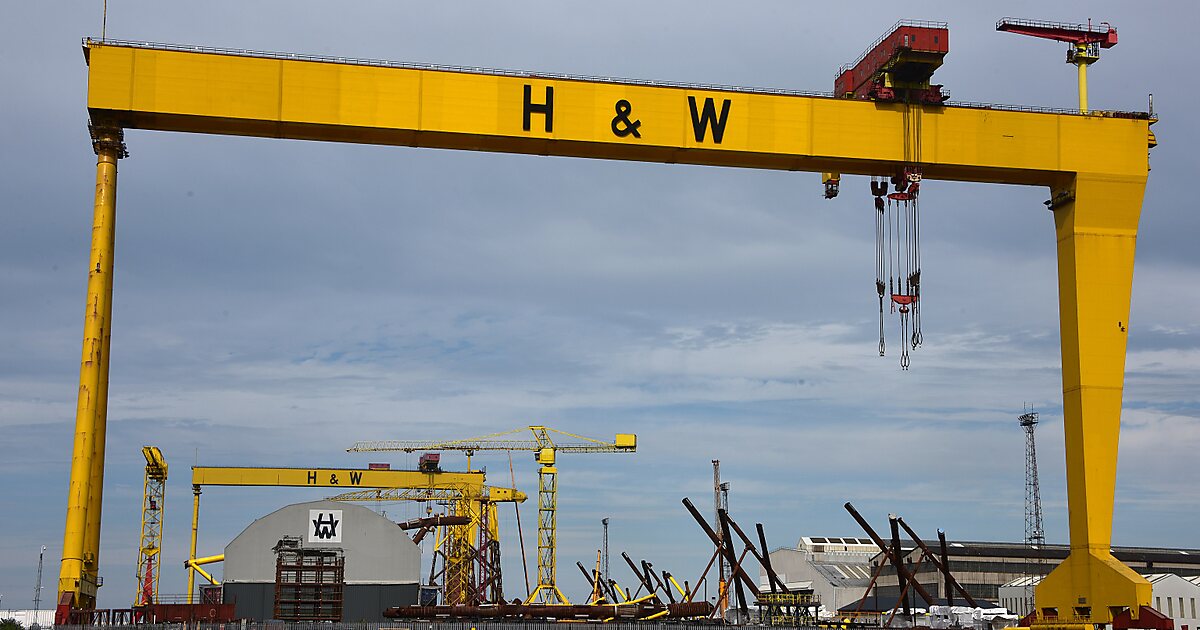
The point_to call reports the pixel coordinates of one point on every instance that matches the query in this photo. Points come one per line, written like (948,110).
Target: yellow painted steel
(463,548)
(78,573)
(490,494)
(544,450)
(279,97)
(466,484)
(154,495)
(196,564)
(679,588)
(189,563)
(1095,166)
(1097,234)
(332,478)
(1083,101)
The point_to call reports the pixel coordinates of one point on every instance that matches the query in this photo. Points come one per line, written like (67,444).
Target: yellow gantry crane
(463,484)
(545,451)
(1094,166)
(149,565)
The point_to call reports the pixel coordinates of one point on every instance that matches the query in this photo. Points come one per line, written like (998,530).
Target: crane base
(1093,587)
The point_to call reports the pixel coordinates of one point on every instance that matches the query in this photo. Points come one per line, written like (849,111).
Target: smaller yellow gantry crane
(545,451)
(153,496)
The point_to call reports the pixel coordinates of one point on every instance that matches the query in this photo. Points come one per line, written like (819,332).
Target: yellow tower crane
(545,450)
(153,503)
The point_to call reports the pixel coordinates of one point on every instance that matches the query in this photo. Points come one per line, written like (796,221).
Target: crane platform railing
(236,52)
(879,40)
(412,65)
(1100,31)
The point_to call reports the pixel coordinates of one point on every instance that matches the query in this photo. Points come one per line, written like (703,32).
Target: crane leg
(78,572)
(1097,232)
(191,561)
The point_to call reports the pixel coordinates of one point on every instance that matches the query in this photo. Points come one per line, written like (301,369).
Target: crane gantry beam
(1095,166)
(464,484)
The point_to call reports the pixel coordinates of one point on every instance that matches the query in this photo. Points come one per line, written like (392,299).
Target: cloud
(278,300)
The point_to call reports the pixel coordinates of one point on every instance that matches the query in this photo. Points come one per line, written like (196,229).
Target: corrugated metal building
(982,567)
(381,563)
(838,569)
(835,569)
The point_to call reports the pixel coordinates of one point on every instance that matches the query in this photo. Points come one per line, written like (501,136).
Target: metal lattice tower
(37,590)
(153,499)
(1035,536)
(604,548)
(721,502)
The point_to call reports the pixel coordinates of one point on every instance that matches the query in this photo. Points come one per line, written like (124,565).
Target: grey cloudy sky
(277,300)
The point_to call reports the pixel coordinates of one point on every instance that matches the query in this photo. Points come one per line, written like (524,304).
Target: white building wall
(27,618)
(795,569)
(1176,598)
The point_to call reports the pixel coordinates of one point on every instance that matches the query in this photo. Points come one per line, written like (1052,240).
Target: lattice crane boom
(153,497)
(503,442)
(545,450)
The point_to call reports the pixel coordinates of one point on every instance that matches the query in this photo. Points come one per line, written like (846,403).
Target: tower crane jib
(546,444)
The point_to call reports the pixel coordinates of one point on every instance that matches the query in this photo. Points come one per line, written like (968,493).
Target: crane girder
(460,484)
(542,438)
(490,495)
(333,478)
(412,446)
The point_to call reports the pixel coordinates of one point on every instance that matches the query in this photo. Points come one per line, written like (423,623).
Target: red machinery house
(898,65)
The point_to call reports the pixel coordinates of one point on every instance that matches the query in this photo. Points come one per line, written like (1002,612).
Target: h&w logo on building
(325,526)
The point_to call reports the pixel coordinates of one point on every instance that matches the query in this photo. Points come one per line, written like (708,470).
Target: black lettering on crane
(355,477)
(546,109)
(312,477)
(702,119)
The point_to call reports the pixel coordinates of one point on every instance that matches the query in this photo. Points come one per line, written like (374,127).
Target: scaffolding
(309,583)
(788,609)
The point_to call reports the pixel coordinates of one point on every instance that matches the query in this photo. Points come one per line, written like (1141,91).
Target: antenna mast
(1035,536)
(605,548)
(37,590)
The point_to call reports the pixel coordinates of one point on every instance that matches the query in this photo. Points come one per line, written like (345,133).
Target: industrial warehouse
(337,556)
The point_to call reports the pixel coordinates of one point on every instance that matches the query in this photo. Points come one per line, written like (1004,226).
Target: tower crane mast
(545,450)
(153,503)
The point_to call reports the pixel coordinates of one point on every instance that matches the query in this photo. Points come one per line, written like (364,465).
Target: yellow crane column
(1096,225)
(547,585)
(78,574)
